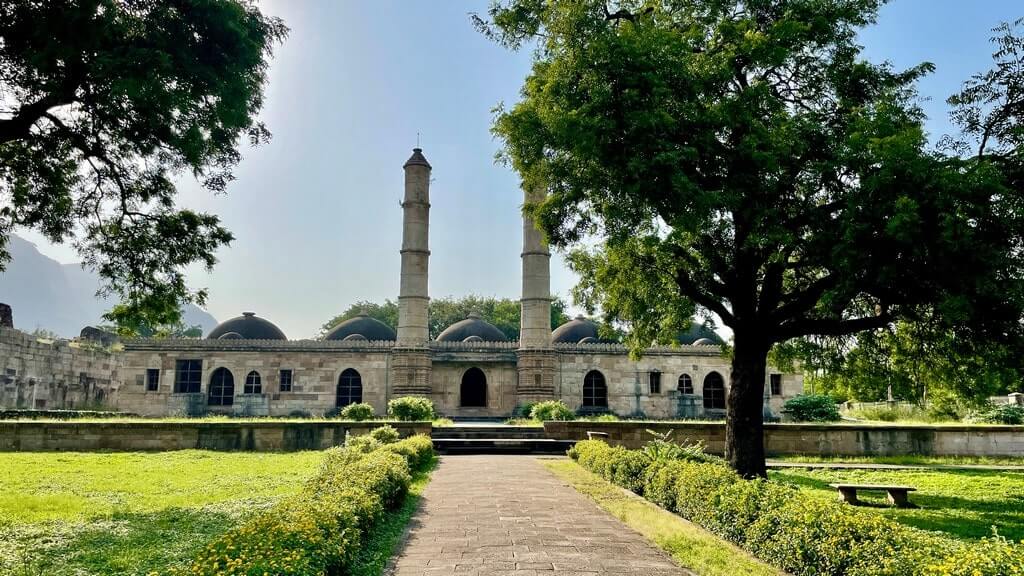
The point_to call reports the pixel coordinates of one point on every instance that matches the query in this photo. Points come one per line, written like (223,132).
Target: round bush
(811,408)
(551,410)
(411,409)
(385,434)
(357,412)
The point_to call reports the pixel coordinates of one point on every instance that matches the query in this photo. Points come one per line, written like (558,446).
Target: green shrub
(321,529)
(411,409)
(600,418)
(363,443)
(1004,414)
(357,412)
(524,410)
(799,533)
(662,448)
(551,410)
(385,434)
(811,408)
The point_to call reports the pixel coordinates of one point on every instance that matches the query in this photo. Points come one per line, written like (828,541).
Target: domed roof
(230,336)
(464,330)
(362,325)
(705,342)
(247,327)
(579,330)
(699,331)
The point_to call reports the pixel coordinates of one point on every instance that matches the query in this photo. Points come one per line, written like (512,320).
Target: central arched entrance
(473,392)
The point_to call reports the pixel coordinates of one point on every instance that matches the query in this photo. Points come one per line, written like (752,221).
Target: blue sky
(315,212)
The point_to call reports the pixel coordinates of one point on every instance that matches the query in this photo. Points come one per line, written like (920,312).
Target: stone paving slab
(492,515)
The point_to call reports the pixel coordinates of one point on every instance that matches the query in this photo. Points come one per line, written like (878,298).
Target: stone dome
(472,326)
(362,325)
(247,327)
(699,331)
(579,330)
(705,342)
(230,336)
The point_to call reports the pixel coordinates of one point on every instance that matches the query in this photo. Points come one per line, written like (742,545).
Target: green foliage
(551,410)
(362,443)
(1004,414)
(103,121)
(811,408)
(743,159)
(323,528)
(385,434)
(503,313)
(411,409)
(797,532)
(357,412)
(524,410)
(663,449)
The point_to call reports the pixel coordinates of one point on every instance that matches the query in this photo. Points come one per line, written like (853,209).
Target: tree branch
(830,326)
(690,289)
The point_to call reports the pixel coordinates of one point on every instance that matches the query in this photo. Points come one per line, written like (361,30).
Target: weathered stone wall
(37,373)
(314,380)
(446,383)
(628,380)
(133,436)
(817,439)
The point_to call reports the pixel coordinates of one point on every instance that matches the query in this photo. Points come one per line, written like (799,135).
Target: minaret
(412,295)
(410,367)
(536,355)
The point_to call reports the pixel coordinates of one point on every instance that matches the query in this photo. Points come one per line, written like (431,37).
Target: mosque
(247,366)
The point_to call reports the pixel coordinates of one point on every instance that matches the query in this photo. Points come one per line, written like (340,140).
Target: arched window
(473,392)
(595,391)
(350,388)
(714,391)
(222,388)
(685,384)
(253,383)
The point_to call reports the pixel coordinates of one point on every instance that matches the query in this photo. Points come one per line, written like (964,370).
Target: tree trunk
(744,423)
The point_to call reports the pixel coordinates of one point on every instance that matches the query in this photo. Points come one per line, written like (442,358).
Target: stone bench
(897,494)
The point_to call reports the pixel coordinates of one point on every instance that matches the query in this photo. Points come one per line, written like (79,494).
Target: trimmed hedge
(798,533)
(357,412)
(551,410)
(321,529)
(411,409)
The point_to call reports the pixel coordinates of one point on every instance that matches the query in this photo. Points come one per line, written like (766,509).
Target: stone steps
(496,439)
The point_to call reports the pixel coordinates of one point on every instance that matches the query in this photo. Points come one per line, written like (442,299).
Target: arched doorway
(714,391)
(350,388)
(222,388)
(595,390)
(473,392)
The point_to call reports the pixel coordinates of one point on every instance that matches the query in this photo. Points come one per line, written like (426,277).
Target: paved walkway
(497,515)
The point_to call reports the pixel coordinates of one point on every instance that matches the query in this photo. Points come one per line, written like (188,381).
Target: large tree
(504,313)
(104,104)
(740,158)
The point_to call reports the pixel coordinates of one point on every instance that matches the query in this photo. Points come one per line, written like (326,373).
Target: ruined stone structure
(246,365)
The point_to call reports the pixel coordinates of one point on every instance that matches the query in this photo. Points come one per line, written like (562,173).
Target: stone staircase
(493,438)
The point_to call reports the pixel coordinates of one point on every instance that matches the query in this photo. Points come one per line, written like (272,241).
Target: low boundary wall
(159,436)
(818,439)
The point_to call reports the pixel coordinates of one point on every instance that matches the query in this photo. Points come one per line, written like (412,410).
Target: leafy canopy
(503,313)
(743,159)
(105,105)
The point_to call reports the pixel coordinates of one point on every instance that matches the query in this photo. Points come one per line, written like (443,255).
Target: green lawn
(964,504)
(907,460)
(130,513)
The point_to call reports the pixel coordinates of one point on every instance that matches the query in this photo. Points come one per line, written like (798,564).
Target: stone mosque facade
(247,366)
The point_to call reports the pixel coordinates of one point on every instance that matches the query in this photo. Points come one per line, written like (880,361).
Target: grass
(907,460)
(382,543)
(690,545)
(963,504)
(130,513)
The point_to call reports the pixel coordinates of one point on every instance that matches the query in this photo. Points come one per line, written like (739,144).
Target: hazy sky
(316,212)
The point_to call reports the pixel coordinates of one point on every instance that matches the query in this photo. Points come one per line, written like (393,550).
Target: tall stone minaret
(412,295)
(536,356)
(411,363)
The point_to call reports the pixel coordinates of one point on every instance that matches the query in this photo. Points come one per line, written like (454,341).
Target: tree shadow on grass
(119,544)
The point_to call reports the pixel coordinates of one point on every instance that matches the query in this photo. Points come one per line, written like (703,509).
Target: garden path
(497,515)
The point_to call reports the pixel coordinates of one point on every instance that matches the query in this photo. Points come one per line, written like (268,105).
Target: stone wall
(44,374)
(819,440)
(629,381)
(137,436)
(314,380)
